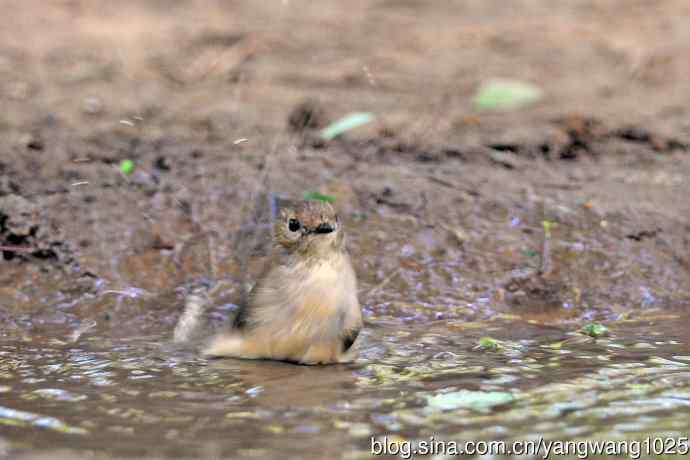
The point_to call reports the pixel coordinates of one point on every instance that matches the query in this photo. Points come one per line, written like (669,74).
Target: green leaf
(318,196)
(595,330)
(480,401)
(489,344)
(505,95)
(127,166)
(348,122)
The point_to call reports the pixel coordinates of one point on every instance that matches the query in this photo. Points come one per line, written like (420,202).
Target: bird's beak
(325,228)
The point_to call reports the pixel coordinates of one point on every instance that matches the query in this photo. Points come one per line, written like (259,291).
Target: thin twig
(384,282)
(17,249)
(242,249)
(546,265)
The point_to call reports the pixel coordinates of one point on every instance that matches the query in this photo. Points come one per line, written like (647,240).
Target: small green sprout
(127,167)
(318,196)
(548,226)
(595,330)
(489,344)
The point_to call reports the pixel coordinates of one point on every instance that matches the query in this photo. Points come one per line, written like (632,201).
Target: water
(96,373)
(138,396)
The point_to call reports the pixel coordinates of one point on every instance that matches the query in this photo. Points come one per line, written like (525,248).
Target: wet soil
(522,225)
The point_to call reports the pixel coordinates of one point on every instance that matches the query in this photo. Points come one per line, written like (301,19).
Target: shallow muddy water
(126,391)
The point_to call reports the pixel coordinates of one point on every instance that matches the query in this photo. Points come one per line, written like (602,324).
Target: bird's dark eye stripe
(294,225)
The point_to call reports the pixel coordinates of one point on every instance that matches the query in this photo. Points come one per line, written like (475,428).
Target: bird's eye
(294,225)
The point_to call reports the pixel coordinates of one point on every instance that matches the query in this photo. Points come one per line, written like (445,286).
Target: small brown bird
(304,307)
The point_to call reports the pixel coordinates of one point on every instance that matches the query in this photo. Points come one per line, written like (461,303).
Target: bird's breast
(309,300)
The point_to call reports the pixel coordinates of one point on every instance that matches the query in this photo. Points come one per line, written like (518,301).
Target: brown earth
(199,94)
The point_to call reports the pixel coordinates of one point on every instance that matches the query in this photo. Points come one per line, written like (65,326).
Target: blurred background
(236,64)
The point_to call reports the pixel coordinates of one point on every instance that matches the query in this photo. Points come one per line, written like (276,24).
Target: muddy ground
(444,205)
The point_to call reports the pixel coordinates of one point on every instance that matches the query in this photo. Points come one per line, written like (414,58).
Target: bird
(304,307)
